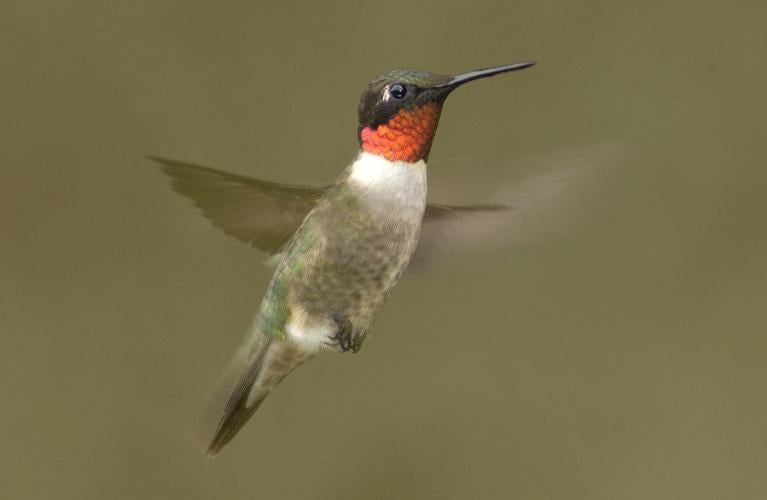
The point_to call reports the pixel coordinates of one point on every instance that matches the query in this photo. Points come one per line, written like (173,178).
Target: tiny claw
(344,335)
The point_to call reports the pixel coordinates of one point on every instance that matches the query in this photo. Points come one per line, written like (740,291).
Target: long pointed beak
(459,80)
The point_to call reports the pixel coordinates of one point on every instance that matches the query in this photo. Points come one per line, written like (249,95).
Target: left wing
(260,213)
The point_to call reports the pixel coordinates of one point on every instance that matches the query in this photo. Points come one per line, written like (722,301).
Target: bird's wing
(260,213)
(539,199)
(266,214)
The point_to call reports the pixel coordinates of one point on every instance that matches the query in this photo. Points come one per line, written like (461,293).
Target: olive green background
(621,360)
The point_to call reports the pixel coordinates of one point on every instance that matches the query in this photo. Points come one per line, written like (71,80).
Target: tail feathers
(254,372)
(239,405)
(231,424)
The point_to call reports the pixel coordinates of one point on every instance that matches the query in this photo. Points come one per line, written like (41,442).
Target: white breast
(389,185)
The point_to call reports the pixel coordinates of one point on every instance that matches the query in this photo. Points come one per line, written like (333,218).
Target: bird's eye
(397,91)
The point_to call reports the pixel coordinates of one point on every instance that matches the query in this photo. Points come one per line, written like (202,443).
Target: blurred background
(622,359)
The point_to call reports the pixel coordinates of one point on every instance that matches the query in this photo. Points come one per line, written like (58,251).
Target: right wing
(537,200)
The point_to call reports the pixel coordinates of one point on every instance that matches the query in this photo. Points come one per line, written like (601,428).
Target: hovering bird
(340,249)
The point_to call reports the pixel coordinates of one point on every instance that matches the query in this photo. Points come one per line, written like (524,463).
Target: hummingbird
(339,249)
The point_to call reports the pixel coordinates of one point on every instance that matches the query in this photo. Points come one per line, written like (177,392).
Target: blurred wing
(541,204)
(260,213)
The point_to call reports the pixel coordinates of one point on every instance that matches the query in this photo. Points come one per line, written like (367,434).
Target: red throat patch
(406,137)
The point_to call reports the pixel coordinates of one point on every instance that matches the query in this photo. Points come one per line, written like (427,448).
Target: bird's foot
(344,336)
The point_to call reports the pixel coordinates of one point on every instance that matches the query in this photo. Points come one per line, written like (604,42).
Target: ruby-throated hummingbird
(341,248)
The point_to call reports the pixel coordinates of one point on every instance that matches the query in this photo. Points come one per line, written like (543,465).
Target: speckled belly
(355,273)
